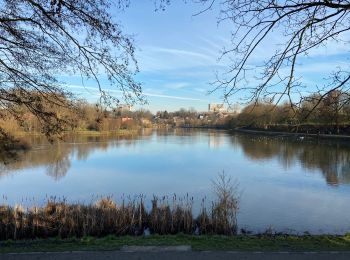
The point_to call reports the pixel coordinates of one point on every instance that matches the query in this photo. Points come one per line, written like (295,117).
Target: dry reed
(58,218)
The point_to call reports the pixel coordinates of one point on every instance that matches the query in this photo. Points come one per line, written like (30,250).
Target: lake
(284,183)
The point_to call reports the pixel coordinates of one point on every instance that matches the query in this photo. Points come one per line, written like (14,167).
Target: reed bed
(166,215)
(105,217)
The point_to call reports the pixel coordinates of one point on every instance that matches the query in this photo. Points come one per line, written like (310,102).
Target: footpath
(172,253)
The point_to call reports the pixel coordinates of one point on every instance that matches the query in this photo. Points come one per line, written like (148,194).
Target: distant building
(124,108)
(126,119)
(216,108)
(146,122)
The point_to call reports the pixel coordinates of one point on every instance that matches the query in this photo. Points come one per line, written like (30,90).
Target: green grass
(233,243)
(93,132)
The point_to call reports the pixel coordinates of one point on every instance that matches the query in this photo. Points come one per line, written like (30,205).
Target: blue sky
(178,55)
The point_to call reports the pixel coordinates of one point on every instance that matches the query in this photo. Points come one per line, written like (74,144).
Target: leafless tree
(300,26)
(42,39)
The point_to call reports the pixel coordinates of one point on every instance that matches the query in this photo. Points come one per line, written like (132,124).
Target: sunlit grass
(199,243)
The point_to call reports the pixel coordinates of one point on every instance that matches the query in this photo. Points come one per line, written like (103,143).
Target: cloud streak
(157,58)
(89,89)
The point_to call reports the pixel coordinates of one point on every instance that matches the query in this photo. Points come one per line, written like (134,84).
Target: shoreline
(241,243)
(239,130)
(81,132)
(281,134)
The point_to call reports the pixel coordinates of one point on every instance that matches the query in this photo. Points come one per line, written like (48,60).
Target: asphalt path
(159,255)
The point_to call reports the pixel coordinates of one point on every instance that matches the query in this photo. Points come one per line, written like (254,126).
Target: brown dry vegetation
(130,217)
(316,114)
(85,117)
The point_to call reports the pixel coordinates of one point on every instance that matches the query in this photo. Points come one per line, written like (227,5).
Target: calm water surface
(287,184)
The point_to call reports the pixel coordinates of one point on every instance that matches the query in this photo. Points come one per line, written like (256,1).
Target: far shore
(21,144)
(119,132)
(299,135)
(18,141)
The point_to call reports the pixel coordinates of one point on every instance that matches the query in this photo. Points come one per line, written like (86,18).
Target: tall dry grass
(130,217)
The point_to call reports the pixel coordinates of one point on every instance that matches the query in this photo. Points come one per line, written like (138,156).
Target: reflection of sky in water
(281,184)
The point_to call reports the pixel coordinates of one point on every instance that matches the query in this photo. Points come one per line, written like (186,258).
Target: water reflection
(56,158)
(330,158)
(216,139)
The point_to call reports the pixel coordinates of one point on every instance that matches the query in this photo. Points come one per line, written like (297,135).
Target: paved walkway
(187,255)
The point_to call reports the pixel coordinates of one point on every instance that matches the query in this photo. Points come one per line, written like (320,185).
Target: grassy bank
(199,243)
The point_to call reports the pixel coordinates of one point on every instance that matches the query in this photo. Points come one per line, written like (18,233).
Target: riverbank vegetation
(166,216)
(85,117)
(315,115)
(62,219)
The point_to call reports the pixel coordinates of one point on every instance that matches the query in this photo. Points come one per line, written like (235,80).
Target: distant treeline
(192,118)
(84,116)
(315,114)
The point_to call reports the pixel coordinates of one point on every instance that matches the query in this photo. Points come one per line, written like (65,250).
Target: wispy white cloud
(176,85)
(201,90)
(180,52)
(95,91)
(330,48)
(321,67)
(175,97)
(276,42)
(157,58)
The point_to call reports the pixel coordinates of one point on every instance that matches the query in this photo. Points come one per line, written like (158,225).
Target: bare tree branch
(42,39)
(301,26)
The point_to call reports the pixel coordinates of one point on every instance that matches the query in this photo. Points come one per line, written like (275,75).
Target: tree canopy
(301,26)
(43,39)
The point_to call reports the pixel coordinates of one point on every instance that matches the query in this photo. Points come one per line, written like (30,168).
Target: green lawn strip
(115,132)
(236,243)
